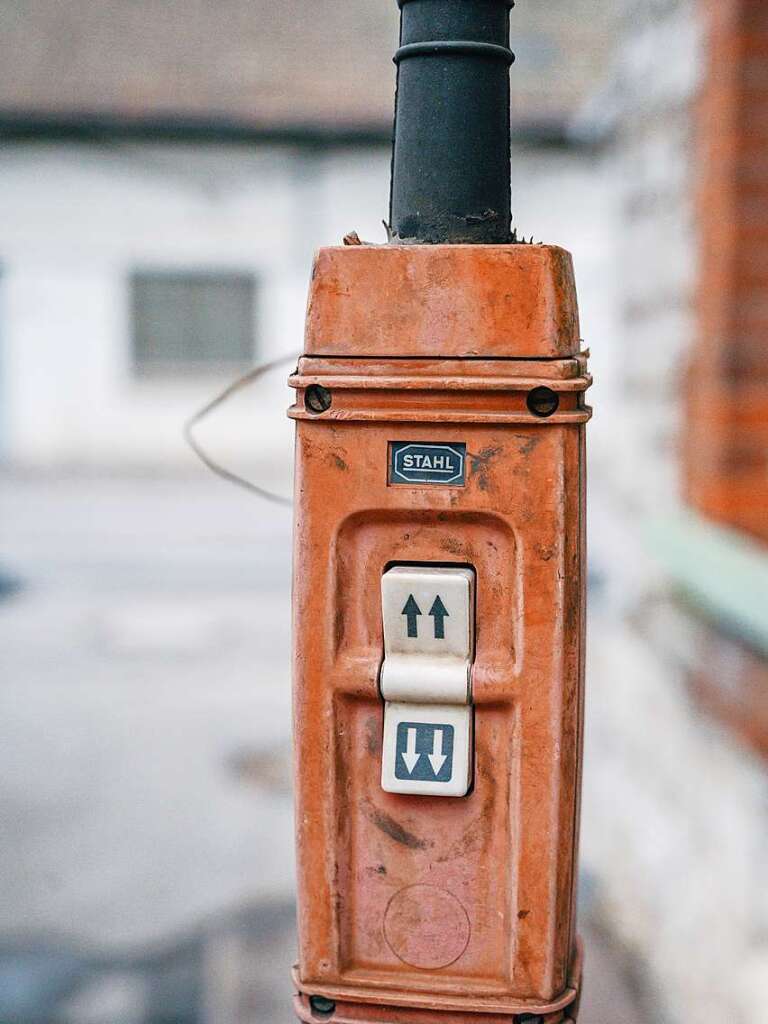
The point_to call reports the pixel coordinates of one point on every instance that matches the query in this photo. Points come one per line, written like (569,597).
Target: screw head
(542,401)
(321,1006)
(317,399)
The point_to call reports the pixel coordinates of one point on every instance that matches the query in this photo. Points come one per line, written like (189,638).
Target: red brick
(726,445)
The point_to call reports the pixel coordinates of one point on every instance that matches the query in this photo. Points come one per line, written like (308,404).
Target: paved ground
(144,659)
(144,779)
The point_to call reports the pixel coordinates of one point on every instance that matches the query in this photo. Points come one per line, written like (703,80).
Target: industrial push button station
(438,542)
(416,907)
(428,615)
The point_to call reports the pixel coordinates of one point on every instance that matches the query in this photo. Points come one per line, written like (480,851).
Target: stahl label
(418,462)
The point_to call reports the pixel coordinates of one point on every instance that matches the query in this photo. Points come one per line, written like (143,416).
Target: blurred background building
(166,171)
(676,822)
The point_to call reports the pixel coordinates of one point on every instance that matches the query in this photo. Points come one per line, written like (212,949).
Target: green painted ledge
(722,571)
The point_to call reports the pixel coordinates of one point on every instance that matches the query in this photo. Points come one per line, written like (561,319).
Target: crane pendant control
(439,625)
(438,661)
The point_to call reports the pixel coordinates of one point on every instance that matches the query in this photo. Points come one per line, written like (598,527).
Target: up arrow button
(427,656)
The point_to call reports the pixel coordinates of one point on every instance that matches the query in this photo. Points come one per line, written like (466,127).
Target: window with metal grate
(192,322)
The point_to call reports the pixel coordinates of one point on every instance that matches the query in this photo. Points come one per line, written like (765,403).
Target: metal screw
(317,399)
(543,401)
(319,1004)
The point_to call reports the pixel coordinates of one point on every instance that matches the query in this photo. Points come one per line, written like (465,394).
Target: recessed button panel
(428,614)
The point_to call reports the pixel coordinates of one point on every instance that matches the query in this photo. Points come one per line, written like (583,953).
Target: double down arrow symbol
(437,758)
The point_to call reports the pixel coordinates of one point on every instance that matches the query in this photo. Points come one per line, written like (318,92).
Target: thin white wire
(201,414)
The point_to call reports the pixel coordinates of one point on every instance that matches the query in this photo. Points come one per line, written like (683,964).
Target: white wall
(571,198)
(75,220)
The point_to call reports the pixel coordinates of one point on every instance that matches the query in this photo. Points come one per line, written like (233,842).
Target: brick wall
(727,387)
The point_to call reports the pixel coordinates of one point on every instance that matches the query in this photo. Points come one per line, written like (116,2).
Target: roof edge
(20,125)
(89,126)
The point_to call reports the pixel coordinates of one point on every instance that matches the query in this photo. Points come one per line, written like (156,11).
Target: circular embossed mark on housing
(426,927)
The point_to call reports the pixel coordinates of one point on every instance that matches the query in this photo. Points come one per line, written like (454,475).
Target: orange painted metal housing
(414,909)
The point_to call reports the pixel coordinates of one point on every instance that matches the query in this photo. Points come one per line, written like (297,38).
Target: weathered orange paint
(456,301)
(412,909)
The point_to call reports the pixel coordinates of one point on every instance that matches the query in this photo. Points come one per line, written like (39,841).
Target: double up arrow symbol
(438,611)
(437,758)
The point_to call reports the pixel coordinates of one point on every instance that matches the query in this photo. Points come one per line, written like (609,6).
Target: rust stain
(338,626)
(529,442)
(373,735)
(339,462)
(484,456)
(393,829)
(452,545)
(474,835)
(480,463)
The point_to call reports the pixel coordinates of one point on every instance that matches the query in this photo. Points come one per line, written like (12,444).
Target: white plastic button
(428,610)
(427,749)
(428,617)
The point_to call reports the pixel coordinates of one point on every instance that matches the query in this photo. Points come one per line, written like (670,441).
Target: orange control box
(440,424)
